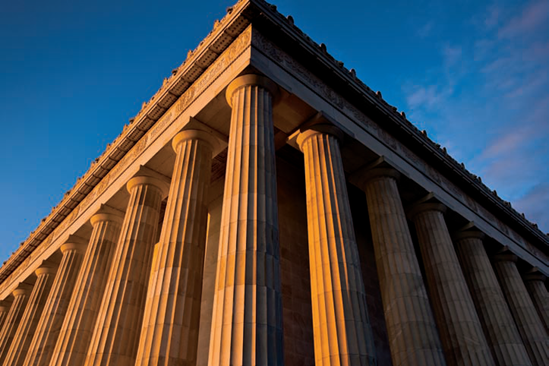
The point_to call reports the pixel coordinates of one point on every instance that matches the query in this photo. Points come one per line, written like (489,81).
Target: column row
(110,301)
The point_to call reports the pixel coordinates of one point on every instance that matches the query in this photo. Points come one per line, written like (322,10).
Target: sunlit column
(76,330)
(4,310)
(411,327)
(535,283)
(529,324)
(500,329)
(25,331)
(342,330)
(170,326)
(116,334)
(247,314)
(13,319)
(47,332)
(458,323)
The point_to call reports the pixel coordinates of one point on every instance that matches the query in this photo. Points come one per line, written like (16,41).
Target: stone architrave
(13,319)
(499,327)
(170,326)
(116,334)
(458,322)
(535,283)
(45,276)
(341,327)
(47,332)
(411,327)
(76,330)
(247,313)
(526,317)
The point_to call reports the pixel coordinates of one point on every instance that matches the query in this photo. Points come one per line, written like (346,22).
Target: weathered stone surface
(247,314)
(413,335)
(116,334)
(169,335)
(49,326)
(342,330)
(76,330)
(458,323)
(526,317)
(499,327)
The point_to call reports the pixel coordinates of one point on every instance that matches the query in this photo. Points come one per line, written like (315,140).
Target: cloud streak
(489,97)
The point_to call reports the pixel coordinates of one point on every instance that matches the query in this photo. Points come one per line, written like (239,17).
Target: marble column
(535,283)
(116,333)
(529,324)
(47,332)
(342,330)
(411,327)
(247,313)
(460,329)
(170,326)
(76,330)
(45,276)
(13,319)
(4,310)
(499,327)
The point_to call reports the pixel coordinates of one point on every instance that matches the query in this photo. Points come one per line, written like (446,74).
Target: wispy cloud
(489,99)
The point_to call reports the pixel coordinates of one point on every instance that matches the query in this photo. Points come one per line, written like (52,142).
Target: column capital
(365,175)
(185,135)
(22,289)
(253,79)
(468,234)
(319,129)
(45,269)
(163,186)
(74,243)
(426,206)
(534,275)
(106,213)
(505,256)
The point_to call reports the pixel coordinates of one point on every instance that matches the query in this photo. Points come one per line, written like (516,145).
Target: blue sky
(474,74)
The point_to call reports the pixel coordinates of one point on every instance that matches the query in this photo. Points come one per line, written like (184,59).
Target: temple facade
(265,207)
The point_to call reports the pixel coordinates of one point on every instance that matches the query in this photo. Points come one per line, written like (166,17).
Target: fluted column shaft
(13,319)
(76,330)
(458,322)
(4,310)
(170,326)
(342,330)
(47,332)
(499,327)
(116,334)
(535,283)
(529,324)
(411,327)
(247,313)
(45,276)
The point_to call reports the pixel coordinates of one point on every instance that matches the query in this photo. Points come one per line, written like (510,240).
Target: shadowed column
(342,330)
(170,325)
(116,334)
(460,329)
(47,332)
(247,313)
(75,334)
(411,327)
(500,329)
(535,283)
(44,278)
(529,324)
(17,308)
